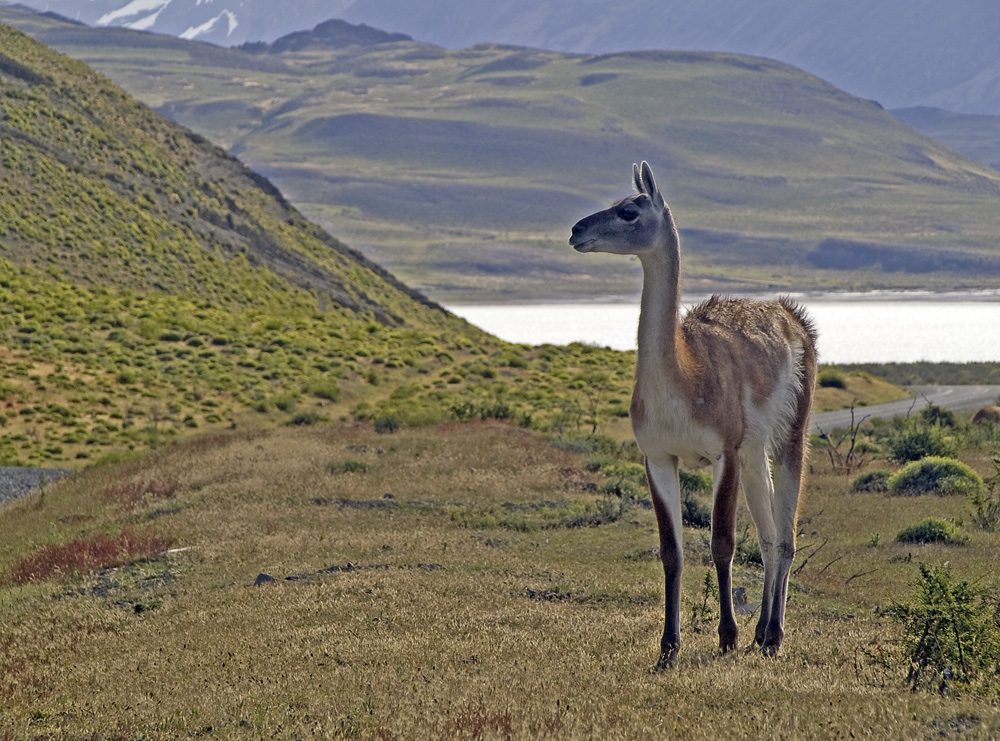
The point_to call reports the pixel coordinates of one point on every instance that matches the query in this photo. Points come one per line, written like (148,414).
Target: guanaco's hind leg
(664,486)
(788,467)
(759,494)
(787,482)
(727,484)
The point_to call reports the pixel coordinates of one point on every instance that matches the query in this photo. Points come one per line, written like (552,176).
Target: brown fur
(990,414)
(723,333)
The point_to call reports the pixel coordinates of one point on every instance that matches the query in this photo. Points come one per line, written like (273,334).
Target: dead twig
(806,559)
(851,461)
(858,575)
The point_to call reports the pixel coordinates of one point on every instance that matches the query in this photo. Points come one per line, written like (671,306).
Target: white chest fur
(664,426)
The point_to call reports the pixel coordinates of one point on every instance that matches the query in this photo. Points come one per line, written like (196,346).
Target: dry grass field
(468,581)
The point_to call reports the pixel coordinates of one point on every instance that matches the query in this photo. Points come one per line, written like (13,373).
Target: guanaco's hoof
(667,660)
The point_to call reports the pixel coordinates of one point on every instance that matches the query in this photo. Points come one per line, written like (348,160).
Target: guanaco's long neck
(660,338)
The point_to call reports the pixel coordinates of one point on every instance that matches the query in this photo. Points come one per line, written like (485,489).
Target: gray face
(629,227)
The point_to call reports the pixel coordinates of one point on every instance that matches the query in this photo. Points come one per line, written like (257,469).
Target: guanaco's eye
(628,213)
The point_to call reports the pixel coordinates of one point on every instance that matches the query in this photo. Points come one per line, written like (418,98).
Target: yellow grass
(863,389)
(432,626)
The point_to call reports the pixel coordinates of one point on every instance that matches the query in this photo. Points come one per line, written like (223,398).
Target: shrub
(914,444)
(832,378)
(872,481)
(306,418)
(696,482)
(932,530)
(349,466)
(387,424)
(625,480)
(695,512)
(950,632)
(935,415)
(935,475)
(987,501)
(326,388)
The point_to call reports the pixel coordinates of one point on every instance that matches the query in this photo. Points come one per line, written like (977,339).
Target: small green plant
(748,549)
(935,475)
(951,633)
(987,502)
(932,530)
(348,466)
(702,613)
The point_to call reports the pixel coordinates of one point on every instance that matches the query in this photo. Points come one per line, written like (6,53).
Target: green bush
(935,415)
(695,511)
(696,482)
(872,481)
(326,388)
(832,378)
(951,633)
(920,442)
(932,530)
(935,475)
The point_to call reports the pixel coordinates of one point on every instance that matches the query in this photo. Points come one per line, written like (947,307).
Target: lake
(853,328)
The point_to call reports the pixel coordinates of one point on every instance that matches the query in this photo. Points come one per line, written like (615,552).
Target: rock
(263,578)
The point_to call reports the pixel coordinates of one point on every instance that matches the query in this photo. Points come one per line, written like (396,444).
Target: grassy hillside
(154,287)
(469,581)
(462,170)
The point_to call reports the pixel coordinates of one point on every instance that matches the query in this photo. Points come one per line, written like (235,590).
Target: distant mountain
(332,34)
(223,22)
(898,52)
(901,53)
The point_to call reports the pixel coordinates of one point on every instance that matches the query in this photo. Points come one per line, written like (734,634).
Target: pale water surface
(853,328)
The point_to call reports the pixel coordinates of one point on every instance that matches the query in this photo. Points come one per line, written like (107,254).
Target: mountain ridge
(930,58)
(459,170)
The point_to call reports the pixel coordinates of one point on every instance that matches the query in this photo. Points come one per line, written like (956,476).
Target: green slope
(462,170)
(151,287)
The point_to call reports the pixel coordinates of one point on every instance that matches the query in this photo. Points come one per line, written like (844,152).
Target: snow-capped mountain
(223,22)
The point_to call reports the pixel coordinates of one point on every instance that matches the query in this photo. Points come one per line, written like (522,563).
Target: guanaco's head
(632,226)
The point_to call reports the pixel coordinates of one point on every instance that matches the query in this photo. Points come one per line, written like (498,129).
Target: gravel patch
(15,481)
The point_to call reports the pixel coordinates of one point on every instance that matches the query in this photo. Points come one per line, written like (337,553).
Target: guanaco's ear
(637,178)
(644,181)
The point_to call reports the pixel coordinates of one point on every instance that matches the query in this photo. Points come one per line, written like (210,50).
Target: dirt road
(963,400)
